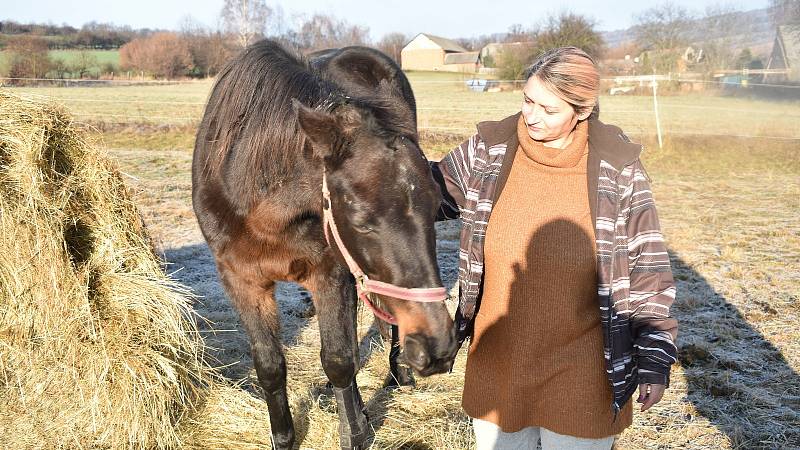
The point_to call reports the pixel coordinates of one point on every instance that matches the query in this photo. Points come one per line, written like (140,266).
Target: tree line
(195,50)
(661,37)
(92,35)
(661,33)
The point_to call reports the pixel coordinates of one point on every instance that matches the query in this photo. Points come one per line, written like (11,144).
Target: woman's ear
(584,113)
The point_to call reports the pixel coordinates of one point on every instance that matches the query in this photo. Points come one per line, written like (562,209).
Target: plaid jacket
(634,280)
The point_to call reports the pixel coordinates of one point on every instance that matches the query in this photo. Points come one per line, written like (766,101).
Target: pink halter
(365,286)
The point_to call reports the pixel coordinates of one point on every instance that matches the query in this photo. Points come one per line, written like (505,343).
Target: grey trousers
(489,436)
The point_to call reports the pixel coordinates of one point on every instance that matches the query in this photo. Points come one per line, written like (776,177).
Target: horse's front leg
(335,301)
(255,302)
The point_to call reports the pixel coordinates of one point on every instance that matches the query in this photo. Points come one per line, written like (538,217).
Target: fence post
(655,108)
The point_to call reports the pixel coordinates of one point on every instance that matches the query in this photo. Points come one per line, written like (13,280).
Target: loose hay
(98,347)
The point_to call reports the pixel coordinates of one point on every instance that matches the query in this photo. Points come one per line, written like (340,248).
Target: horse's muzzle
(428,355)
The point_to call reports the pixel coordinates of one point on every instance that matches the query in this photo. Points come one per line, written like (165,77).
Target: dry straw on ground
(98,347)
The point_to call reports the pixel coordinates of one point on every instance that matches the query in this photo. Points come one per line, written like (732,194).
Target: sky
(447,18)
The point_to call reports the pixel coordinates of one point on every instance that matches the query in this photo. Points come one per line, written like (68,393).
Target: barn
(429,52)
(785,55)
(466,62)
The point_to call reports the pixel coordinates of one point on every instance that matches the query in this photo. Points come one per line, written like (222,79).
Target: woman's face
(549,118)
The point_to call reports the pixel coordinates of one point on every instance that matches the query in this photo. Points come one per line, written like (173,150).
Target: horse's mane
(250,126)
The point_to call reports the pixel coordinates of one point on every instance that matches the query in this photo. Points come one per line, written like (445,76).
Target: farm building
(785,55)
(428,52)
(468,62)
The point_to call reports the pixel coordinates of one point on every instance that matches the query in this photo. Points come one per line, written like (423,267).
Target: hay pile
(98,347)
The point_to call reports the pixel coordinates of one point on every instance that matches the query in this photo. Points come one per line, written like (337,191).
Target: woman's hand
(650,394)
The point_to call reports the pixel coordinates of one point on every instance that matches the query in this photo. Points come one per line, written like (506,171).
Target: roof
(446,44)
(789,36)
(461,58)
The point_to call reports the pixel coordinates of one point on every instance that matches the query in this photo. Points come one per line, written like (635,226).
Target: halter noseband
(365,286)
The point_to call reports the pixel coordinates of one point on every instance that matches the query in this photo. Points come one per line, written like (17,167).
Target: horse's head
(384,201)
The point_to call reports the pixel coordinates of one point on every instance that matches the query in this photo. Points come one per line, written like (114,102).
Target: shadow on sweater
(538,359)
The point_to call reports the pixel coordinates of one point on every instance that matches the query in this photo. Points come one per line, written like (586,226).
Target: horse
(309,170)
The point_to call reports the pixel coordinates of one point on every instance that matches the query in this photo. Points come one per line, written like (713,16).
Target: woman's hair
(571,74)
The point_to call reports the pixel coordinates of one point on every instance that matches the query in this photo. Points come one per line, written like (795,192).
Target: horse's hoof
(359,440)
(282,442)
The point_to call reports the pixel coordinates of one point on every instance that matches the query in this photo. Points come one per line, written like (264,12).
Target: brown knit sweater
(536,357)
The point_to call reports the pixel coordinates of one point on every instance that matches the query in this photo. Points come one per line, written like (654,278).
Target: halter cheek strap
(365,286)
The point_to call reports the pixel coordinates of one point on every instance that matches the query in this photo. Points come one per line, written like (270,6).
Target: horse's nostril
(415,353)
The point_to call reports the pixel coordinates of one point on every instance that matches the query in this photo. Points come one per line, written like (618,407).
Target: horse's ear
(319,126)
(327,131)
(391,92)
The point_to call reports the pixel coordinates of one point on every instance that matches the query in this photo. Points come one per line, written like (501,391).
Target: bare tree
(27,57)
(278,24)
(719,47)
(512,62)
(467,43)
(60,68)
(517,33)
(569,29)
(392,44)
(562,30)
(665,31)
(209,50)
(83,64)
(162,54)
(476,43)
(322,31)
(245,19)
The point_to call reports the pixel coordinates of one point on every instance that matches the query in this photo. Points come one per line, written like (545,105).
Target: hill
(752,29)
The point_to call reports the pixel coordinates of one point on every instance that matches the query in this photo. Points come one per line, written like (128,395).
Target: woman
(561,249)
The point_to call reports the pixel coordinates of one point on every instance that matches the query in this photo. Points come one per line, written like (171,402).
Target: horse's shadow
(229,348)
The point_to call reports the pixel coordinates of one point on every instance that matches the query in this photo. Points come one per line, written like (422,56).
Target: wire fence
(439,112)
(468,81)
(615,79)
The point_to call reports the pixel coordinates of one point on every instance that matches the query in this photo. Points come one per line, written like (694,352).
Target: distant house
(626,66)
(429,52)
(785,55)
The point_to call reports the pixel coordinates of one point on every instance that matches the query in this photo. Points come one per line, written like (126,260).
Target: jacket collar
(607,142)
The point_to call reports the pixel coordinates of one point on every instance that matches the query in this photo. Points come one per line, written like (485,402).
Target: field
(101,57)
(727,182)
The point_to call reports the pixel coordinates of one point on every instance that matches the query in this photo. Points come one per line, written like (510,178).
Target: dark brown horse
(273,123)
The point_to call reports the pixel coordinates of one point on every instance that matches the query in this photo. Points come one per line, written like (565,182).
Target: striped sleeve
(452,174)
(652,289)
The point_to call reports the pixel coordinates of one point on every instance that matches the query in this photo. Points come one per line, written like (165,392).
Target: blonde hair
(571,74)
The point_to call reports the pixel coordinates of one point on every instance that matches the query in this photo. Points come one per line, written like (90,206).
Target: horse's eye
(363,229)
